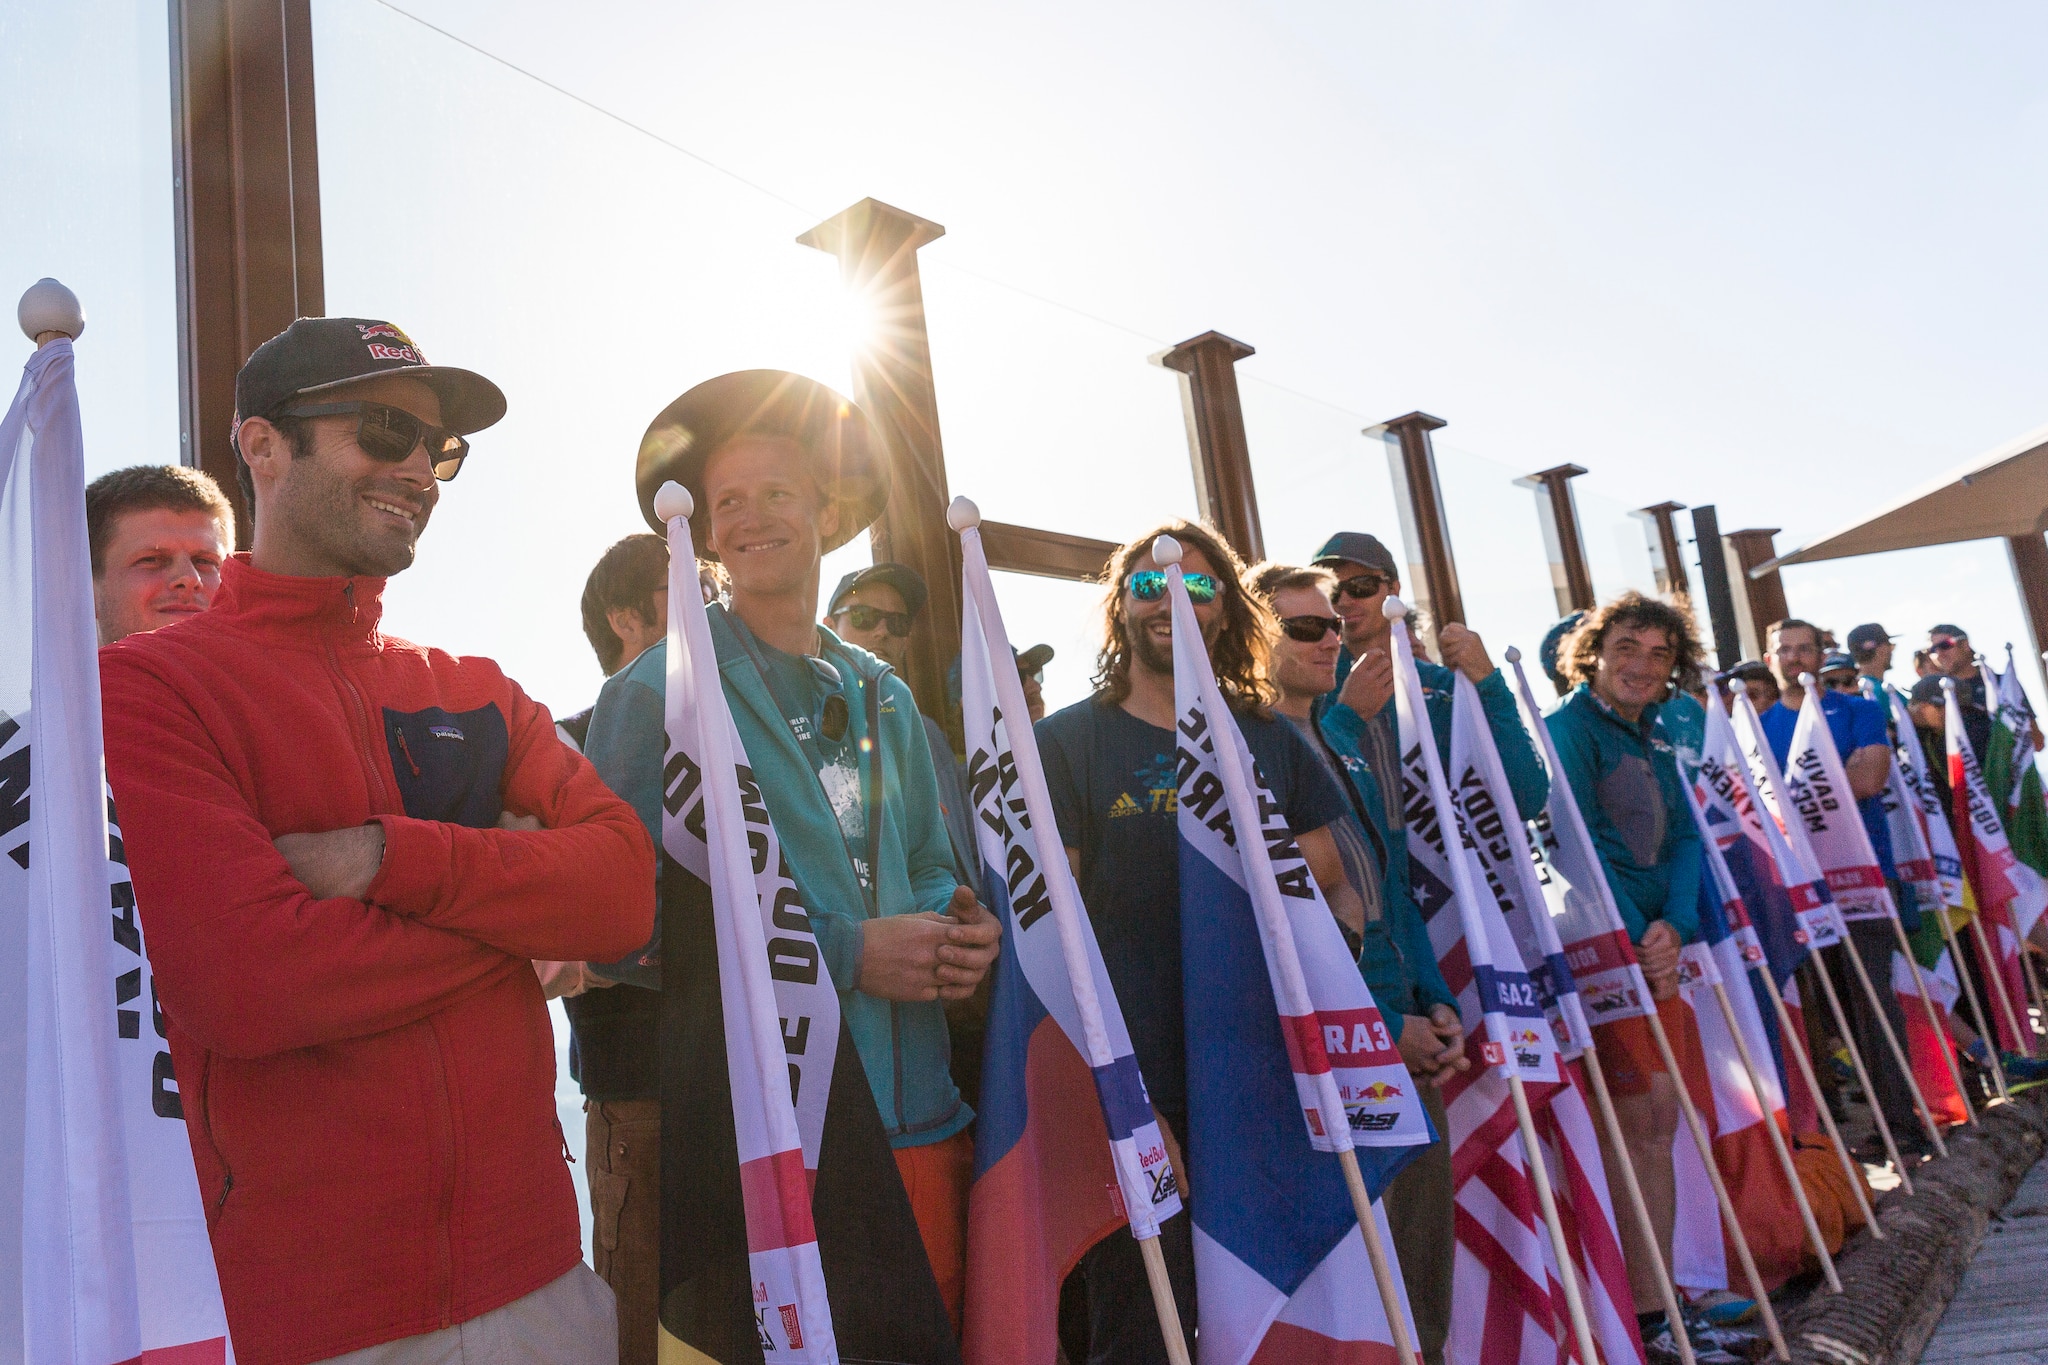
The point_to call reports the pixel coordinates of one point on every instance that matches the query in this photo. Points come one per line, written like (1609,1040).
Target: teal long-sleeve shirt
(1526,778)
(1626,780)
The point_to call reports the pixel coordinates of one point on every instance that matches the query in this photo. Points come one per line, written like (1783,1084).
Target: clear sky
(1785,262)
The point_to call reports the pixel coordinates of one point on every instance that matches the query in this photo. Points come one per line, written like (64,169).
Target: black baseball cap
(1927,692)
(829,429)
(316,355)
(1864,640)
(901,577)
(1356,547)
(1751,668)
(1836,662)
(1958,631)
(1033,660)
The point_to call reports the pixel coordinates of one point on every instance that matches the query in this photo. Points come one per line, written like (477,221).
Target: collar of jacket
(1640,728)
(327,610)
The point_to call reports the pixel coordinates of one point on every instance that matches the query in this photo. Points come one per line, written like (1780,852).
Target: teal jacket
(1526,778)
(1397,961)
(904,1046)
(1626,780)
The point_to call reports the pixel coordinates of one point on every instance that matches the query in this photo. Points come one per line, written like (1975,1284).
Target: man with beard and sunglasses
(782,470)
(1366,576)
(1110,768)
(1390,939)
(347,850)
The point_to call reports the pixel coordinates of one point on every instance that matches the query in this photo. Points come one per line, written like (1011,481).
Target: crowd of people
(365,865)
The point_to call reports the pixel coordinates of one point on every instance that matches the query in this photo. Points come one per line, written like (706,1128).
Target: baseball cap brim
(901,577)
(826,426)
(469,402)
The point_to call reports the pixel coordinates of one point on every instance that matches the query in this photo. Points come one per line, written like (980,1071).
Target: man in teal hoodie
(1624,775)
(781,471)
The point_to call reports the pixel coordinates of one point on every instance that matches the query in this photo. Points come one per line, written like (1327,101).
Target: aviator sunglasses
(1358,587)
(391,434)
(864,618)
(1149,585)
(1309,629)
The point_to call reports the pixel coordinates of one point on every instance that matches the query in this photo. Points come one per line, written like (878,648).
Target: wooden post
(1766,592)
(877,248)
(1432,578)
(1667,555)
(1216,440)
(2028,555)
(1706,538)
(1557,511)
(246,177)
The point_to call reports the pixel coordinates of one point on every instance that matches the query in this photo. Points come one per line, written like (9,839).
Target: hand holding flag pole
(1796,860)
(1408,694)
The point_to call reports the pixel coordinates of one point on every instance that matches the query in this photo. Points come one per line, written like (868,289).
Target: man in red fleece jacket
(348,850)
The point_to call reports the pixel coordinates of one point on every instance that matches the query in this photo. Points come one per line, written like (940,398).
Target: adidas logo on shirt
(1125,805)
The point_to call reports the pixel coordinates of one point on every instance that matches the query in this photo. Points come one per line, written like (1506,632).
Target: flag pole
(1596,1075)
(1797,1047)
(1705,1144)
(1539,1175)
(1376,1252)
(1068,916)
(1990,1034)
(1611,1121)
(1996,976)
(1162,1300)
(1740,701)
(1763,1104)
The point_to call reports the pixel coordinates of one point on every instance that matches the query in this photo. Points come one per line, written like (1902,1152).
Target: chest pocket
(450,765)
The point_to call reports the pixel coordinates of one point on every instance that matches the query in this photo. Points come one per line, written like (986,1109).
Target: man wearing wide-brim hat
(781,470)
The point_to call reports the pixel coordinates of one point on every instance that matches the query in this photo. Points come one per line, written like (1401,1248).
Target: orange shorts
(936,1177)
(1628,1050)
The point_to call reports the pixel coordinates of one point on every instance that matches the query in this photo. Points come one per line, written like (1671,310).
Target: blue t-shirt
(1113,790)
(1856,723)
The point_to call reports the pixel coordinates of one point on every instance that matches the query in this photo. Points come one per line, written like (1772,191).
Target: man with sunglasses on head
(1365,576)
(1110,768)
(347,851)
(1390,939)
(782,470)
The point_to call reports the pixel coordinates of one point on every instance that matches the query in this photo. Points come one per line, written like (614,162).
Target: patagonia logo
(444,732)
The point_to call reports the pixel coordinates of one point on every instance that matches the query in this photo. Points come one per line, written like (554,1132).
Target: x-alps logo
(386,342)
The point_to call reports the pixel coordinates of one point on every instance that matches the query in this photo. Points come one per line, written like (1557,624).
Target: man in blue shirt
(1862,735)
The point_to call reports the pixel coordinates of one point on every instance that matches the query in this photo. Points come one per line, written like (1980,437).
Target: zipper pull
(399,730)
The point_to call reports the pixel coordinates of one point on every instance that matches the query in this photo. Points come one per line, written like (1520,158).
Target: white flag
(104,1255)
(1832,824)
(1936,835)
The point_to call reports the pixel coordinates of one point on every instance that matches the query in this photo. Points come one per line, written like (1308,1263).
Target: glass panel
(85,98)
(1315,471)
(1057,612)
(1503,569)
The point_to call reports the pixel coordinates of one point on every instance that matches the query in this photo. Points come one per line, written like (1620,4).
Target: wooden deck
(2000,1315)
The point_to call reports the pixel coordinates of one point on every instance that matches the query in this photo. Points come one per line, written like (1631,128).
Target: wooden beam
(1216,439)
(1047,554)
(246,176)
(2029,558)
(1715,584)
(877,247)
(1667,555)
(1557,511)
(1431,583)
(1766,591)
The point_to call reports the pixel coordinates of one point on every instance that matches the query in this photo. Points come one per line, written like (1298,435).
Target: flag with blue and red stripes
(1067,1150)
(1289,1062)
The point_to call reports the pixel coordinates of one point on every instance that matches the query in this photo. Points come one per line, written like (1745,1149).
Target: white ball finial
(672,500)
(1513,656)
(963,514)
(49,307)
(1393,608)
(1948,687)
(1165,551)
(1806,681)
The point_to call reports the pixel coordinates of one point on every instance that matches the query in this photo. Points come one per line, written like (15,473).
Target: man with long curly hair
(1109,762)
(1623,770)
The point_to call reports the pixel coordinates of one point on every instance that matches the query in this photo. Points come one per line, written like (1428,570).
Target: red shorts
(1628,1050)
(936,1178)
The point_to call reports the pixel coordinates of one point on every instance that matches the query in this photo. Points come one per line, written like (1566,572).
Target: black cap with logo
(316,355)
(1864,640)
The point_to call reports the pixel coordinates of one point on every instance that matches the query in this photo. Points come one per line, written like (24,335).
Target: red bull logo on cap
(401,350)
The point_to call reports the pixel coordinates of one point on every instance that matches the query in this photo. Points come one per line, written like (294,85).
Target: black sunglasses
(1360,586)
(1149,585)
(1309,629)
(392,434)
(865,618)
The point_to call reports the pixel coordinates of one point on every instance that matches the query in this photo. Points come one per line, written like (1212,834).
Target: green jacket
(905,1047)
(1526,778)
(1397,962)
(1652,855)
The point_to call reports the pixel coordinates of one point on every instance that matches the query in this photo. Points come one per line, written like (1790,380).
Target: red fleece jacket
(368,1084)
